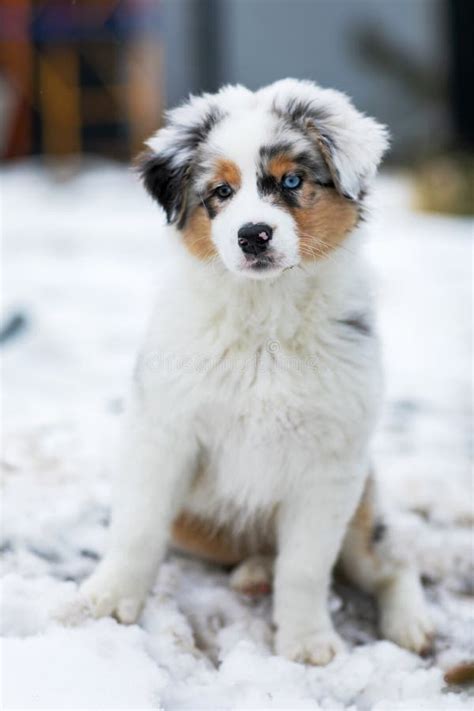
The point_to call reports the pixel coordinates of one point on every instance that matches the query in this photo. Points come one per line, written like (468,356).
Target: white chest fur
(270,378)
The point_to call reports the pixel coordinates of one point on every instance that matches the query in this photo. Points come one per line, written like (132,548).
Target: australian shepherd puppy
(259,383)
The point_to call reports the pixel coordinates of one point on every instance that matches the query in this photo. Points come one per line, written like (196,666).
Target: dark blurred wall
(461,80)
(79,76)
(391,56)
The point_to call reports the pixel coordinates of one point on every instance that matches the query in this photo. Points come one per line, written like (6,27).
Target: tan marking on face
(197,234)
(227,171)
(280,165)
(323,219)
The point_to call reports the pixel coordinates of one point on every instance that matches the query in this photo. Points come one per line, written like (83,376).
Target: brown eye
(223,191)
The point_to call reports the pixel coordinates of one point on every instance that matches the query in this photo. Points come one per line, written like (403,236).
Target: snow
(80,256)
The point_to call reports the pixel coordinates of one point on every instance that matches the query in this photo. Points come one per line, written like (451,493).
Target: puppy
(259,383)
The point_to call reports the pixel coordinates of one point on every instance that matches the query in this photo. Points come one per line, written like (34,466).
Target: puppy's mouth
(261,263)
(263,266)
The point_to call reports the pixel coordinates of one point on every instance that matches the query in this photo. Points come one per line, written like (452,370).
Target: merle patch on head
(193,136)
(274,150)
(307,118)
(306,163)
(167,175)
(297,110)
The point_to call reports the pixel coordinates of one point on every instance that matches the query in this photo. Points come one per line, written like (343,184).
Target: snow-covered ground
(79,258)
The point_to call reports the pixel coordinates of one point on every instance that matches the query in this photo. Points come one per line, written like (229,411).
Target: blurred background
(92,77)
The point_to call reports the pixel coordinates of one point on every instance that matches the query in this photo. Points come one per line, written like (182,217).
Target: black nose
(254,238)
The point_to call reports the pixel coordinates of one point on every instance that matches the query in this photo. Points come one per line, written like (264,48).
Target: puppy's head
(263,181)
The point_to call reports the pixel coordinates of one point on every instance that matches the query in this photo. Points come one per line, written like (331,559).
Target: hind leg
(369,560)
(253,572)
(253,576)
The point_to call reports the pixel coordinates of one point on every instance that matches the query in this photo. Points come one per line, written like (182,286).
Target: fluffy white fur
(254,384)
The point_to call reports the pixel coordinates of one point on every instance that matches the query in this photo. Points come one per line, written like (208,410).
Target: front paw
(317,647)
(114,591)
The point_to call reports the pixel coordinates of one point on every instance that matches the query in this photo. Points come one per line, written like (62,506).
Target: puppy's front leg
(156,465)
(311,526)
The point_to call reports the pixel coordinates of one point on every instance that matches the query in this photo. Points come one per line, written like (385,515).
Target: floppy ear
(165,183)
(351,143)
(166,166)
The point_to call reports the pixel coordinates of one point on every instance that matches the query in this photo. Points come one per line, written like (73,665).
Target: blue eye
(291,181)
(223,191)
